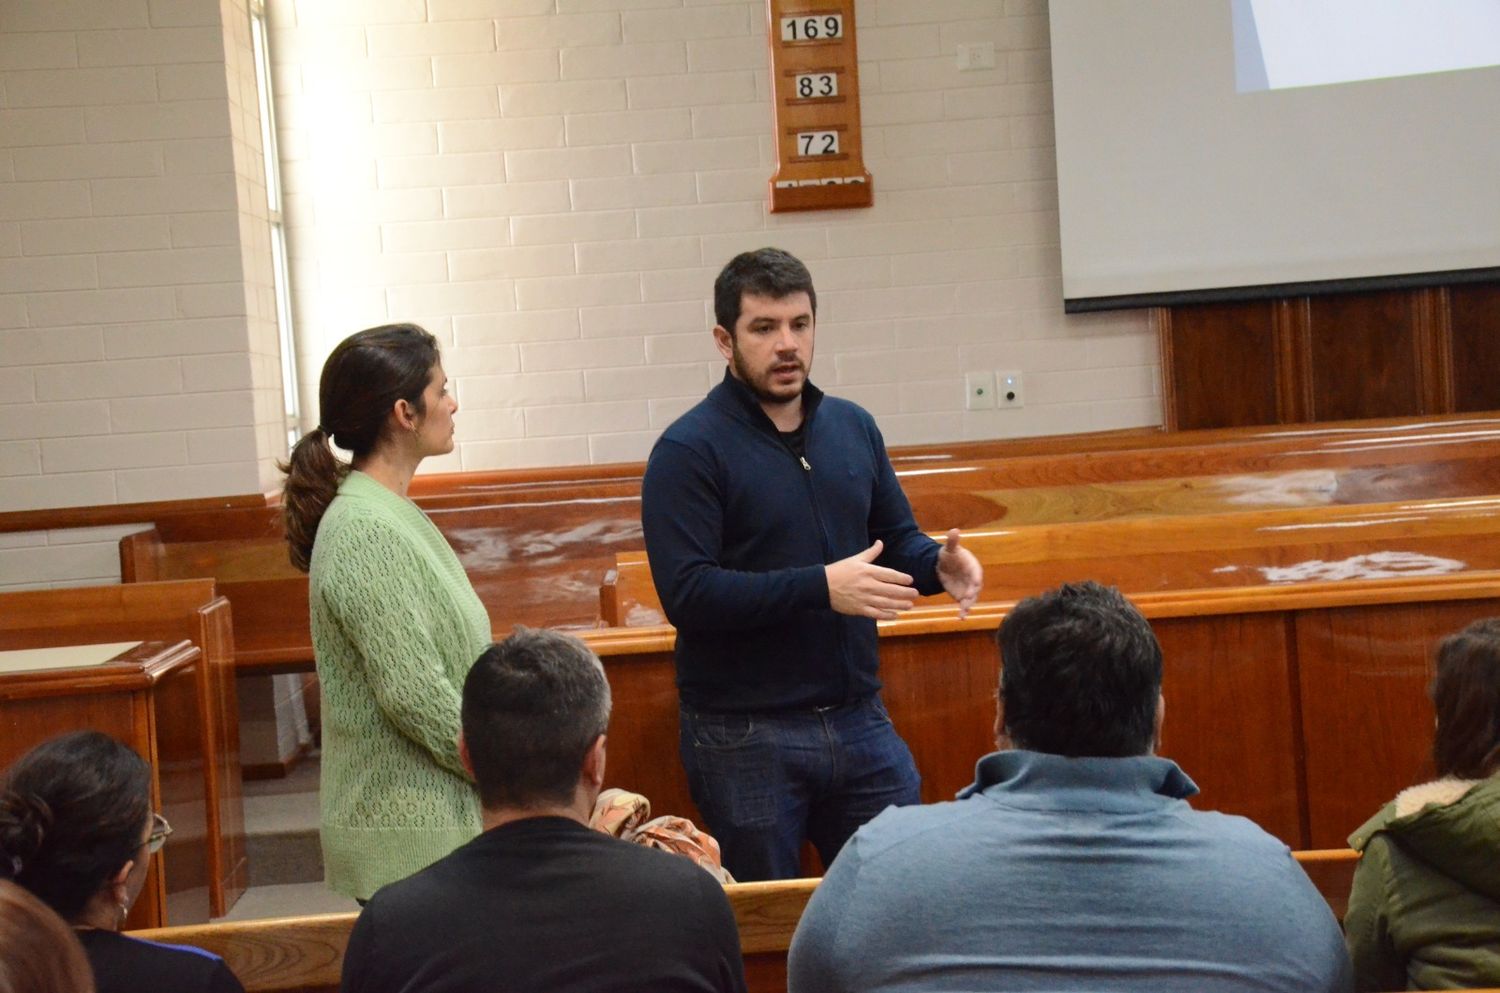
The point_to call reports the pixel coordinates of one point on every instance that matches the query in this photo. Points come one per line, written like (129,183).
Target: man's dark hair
(1081,673)
(765,272)
(533,706)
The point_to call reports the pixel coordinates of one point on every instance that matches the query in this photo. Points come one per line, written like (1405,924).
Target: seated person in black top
(76,829)
(539,902)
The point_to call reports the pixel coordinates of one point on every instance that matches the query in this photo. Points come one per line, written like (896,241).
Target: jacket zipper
(812,496)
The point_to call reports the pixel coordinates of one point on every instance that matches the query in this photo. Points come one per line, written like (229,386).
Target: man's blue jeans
(766,781)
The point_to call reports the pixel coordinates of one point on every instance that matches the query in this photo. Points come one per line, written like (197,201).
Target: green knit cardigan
(395,628)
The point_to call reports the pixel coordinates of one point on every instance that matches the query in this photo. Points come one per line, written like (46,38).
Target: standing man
(778,535)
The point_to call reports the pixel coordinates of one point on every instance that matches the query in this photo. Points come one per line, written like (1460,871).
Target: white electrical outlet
(1010,389)
(979,390)
(977,55)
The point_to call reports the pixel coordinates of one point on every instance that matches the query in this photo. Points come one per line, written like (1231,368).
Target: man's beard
(760,386)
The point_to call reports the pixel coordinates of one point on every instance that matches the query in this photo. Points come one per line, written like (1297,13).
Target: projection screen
(1222,149)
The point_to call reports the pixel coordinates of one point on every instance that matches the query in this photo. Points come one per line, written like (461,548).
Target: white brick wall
(138,353)
(589,165)
(550,189)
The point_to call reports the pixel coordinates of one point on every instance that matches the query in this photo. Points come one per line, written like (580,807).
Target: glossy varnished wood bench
(538,543)
(305,954)
(207,731)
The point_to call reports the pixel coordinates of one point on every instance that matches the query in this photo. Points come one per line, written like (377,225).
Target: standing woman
(1424,913)
(395,623)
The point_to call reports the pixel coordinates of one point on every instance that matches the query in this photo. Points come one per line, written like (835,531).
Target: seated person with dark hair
(1073,862)
(539,901)
(77,830)
(1424,913)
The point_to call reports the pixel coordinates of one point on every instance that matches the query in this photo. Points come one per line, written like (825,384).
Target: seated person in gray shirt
(539,901)
(1074,861)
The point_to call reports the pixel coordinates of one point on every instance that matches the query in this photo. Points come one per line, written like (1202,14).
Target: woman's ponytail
(313,474)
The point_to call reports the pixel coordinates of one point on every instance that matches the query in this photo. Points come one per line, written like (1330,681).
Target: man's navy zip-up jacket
(738,530)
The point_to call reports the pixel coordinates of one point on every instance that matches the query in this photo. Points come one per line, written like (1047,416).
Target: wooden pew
(1152,513)
(537,543)
(1191,552)
(129,695)
(1302,707)
(189,610)
(305,954)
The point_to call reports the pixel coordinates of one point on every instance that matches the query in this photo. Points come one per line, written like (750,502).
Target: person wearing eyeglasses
(77,830)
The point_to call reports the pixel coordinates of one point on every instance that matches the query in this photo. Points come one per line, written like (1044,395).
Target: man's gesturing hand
(960,573)
(858,586)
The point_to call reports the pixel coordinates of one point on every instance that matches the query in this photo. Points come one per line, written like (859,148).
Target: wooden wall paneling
(1231,717)
(1474,323)
(1366,717)
(1161,319)
(1434,350)
(1365,355)
(642,741)
(1220,365)
(1294,393)
(765,972)
(940,691)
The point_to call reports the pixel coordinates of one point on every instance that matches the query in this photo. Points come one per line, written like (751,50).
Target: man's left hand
(960,573)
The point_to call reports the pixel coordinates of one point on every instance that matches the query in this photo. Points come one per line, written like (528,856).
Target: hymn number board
(815,83)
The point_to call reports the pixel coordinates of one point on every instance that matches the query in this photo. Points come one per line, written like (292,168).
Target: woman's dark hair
(72,812)
(38,952)
(362,380)
(1466,695)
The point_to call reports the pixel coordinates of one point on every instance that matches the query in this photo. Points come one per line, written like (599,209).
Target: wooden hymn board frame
(815,89)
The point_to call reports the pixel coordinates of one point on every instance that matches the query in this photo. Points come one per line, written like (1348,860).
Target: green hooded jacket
(1424,913)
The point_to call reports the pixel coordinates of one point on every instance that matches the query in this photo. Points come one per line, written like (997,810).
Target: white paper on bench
(65,657)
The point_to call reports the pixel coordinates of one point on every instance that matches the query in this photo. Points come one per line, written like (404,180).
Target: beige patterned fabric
(625,815)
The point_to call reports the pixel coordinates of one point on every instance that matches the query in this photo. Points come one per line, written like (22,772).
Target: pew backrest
(187,610)
(305,954)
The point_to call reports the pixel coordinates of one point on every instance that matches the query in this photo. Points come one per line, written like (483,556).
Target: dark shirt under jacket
(546,904)
(123,964)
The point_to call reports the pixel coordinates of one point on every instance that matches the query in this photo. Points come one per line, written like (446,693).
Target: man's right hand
(858,586)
